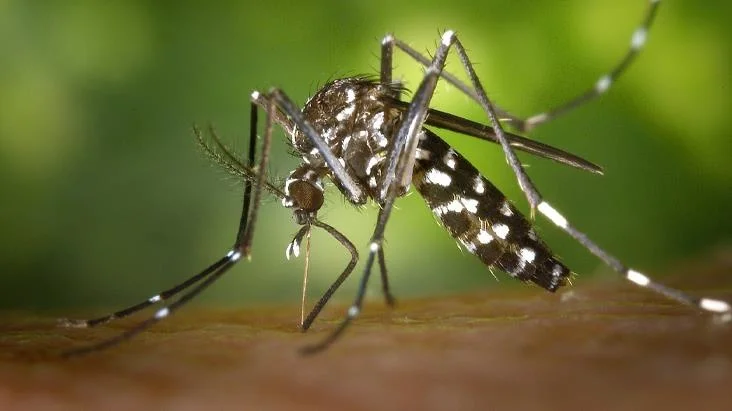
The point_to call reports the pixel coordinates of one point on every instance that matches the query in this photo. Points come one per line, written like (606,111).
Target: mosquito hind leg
(537,203)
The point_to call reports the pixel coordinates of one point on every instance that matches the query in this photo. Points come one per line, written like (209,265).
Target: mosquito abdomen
(480,217)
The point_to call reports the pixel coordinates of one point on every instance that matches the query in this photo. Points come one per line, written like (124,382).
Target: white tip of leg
(255,95)
(448,37)
(717,306)
(234,255)
(162,313)
(638,278)
(374,247)
(539,118)
(552,214)
(154,299)
(387,39)
(353,312)
(639,38)
(603,84)
(534,120)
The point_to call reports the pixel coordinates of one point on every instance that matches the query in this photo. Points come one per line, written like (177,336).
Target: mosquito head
(304,193)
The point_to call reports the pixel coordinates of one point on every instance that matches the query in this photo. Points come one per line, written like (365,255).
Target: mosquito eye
(306,196)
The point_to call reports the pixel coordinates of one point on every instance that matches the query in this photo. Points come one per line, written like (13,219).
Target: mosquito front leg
(242,247)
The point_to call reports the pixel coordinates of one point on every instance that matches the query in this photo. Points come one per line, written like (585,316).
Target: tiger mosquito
(358,133)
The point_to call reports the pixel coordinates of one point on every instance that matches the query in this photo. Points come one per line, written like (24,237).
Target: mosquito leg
(242,246)
(171,292)
(528,188)
(537,202)
(353,311)
(160,297)
(637,42)
(718,307)
(293,250)
(386,290)
(216,270)
(341,278)
(387,57)
(387,46)
(290,118)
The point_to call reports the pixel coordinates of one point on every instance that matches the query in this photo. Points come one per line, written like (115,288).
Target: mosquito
(372,145)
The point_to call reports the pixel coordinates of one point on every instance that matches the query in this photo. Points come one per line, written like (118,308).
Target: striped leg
(157,298)
(218,156)
(603,83)
(293,249)
(637,41)
(242,247)
(537,202)
(719,307)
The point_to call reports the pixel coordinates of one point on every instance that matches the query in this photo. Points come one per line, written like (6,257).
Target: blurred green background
(107,199)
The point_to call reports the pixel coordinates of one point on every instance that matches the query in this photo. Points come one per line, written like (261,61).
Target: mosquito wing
(447,121)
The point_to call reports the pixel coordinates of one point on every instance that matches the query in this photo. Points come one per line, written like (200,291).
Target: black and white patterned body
(480,217)
(357,123)
(354,121)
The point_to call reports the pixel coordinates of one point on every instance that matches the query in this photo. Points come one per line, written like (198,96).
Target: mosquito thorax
(353,118)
